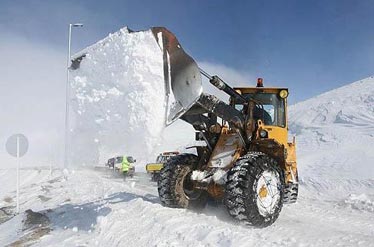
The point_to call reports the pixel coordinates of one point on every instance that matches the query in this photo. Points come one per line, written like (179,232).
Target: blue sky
(309,46)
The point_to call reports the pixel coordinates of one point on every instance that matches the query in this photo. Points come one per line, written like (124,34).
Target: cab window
(271,108)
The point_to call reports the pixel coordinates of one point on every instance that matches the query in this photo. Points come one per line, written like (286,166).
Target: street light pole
(66,151)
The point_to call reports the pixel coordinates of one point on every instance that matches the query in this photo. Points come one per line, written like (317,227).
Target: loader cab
(269,106)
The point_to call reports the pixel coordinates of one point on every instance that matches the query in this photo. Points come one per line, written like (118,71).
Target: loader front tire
(175,188)
(254,190)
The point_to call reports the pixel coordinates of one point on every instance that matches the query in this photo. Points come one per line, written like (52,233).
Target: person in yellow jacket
(127,168)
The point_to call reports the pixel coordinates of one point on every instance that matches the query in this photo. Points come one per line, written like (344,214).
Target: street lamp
(68,94)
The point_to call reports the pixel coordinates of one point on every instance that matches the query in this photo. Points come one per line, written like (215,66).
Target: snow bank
(118,98)
(361,202)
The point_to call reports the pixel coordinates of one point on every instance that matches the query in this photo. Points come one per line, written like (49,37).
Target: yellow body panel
(154,167)
(291,165)
(280,135)
(244,90)
(277,133)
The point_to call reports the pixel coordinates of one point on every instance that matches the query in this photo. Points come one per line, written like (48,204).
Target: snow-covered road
(96,207)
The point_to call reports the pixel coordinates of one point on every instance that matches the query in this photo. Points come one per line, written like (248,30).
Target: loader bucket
(181,74)
(182,79)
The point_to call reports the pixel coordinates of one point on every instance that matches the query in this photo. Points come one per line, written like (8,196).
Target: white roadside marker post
(17,146)
(18,164)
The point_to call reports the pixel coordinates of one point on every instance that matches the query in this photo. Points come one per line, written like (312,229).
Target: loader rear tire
(175,188)
(290,193)
(254,190)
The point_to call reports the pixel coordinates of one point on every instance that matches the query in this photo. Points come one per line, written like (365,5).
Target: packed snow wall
(118,99)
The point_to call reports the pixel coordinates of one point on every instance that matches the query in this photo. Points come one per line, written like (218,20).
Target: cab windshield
(270,108)
(161,159)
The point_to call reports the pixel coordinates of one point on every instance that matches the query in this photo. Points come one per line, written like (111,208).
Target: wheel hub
(263,192)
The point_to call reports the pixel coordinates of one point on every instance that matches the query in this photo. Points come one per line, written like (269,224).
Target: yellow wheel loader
(246,162)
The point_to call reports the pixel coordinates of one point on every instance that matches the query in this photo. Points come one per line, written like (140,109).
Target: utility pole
(66,149)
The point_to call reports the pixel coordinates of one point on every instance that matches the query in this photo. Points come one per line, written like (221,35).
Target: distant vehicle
(111,162)
(123,164)
(155,168)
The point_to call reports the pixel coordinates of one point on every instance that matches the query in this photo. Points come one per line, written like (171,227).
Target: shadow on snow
(84,216)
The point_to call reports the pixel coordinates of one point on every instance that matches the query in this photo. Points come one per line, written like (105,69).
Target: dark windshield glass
(159,159)
(271,108)
(119,159)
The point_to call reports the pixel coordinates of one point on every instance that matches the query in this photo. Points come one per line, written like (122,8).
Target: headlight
(283,94)
(263,133)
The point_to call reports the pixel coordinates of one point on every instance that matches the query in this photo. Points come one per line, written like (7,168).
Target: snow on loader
(247,161)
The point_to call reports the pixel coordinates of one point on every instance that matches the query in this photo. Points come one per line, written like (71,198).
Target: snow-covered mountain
(335,136)
(335,140)
(352,104)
